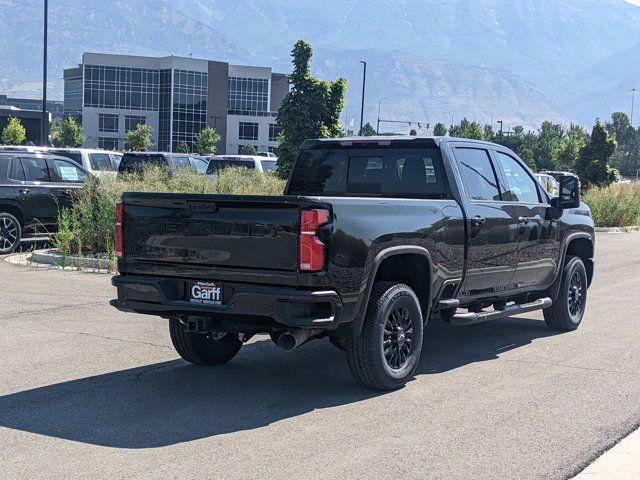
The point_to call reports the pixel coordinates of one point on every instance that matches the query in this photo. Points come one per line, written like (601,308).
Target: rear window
(225,162)
(396,171)
(75,156)
(100,161)
(268,165)
(133,163)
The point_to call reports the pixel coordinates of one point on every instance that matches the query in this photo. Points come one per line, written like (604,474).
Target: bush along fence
(87,229)
(616,205)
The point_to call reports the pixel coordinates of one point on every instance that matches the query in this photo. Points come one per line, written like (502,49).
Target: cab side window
(16,172)
(35,170)
(521,187)
(477,173)
(67,172)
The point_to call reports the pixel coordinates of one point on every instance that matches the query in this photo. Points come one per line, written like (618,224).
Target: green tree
(311,109)
(140,139)
(574,141)
(248,150)
(206,141)
(527,156)
(54,132)
(413,132)
(14,133)
(183,147)
(70,133)
(548,145)
(439,130)
(592,165)
(626,158)
(367,130)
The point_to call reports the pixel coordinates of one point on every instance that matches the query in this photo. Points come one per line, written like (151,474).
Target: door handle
(524,220)
(24,191)
(478,221)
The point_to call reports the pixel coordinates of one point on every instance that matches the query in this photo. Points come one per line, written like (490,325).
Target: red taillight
(119,249)
(311,248)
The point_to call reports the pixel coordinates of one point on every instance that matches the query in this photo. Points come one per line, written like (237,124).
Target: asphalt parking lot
(88,392)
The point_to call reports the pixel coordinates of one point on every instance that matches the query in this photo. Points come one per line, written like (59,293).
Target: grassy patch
(615,205)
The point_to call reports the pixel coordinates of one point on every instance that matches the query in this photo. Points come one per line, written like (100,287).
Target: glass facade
(164,114)
(248,96)
(248,131)
(108,123)
(132,121)
(73,95)
(189,105)
(274,131)
(121,87)
(108,143)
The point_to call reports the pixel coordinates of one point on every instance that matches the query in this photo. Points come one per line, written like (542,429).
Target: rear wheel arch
(410,265)
(13,210)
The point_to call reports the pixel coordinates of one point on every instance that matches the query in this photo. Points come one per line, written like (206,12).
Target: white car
(97,162)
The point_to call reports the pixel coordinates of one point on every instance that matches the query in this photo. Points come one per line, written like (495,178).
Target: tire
(10,233)
(567,310)
(203,349)
(394,320)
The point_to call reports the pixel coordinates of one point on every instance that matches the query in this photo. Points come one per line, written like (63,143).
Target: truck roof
(389,139)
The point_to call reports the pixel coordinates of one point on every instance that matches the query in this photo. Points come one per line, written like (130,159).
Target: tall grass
(89,226)
(615,205)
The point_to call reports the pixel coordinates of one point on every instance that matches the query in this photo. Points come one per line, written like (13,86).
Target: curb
(44,258)
(635,228)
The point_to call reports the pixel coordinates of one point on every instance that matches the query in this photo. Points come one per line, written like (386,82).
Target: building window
(73,95)
(248,131)
(121,87)
(248,96)
(107,123)
(132,121)
(274,131)
(190,89)
(108,143)
(272,149)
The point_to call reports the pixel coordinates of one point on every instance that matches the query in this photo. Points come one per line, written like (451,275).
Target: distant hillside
(522,60)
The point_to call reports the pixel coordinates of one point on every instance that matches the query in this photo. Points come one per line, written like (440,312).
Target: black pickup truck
(372,238)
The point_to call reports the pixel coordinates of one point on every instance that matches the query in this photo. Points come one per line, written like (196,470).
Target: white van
(97,162)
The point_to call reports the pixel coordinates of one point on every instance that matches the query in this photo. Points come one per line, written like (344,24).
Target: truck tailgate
(236,232)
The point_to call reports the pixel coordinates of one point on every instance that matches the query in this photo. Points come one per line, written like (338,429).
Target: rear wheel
(203,349)
(10,233)
(386,354)
(568,308)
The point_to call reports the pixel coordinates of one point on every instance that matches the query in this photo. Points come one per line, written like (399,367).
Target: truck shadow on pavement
(172,402)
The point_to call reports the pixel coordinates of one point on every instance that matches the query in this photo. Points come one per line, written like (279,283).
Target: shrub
(615,205)
(89,226)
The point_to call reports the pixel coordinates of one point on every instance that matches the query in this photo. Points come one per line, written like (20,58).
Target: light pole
(364,81)
(346,119)
(378,126)
(633,97)
(45,120)
(500,122)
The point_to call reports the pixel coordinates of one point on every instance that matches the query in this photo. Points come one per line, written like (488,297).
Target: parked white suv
(98,162)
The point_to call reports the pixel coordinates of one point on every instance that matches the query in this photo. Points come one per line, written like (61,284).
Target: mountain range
(520,61)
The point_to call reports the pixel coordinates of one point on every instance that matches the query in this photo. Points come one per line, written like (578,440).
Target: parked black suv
(373,237)
(33,187)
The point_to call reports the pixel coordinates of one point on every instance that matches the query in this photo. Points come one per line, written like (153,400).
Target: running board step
(448,303)
(462,319)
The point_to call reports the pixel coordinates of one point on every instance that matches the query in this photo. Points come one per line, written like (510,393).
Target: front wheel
(203,349)
(385,355)
(568,308)
(10,233)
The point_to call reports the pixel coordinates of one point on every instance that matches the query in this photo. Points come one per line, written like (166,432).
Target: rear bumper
(168,297)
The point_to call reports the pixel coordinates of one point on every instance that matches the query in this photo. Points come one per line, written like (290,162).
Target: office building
(177,97)
(54,107)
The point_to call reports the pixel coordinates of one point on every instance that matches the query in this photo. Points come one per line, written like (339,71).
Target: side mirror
(569,193)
